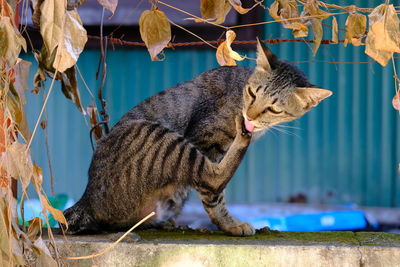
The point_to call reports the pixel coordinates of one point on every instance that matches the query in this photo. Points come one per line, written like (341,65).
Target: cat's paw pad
(241,229)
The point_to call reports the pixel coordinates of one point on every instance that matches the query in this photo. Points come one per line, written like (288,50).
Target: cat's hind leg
(80,221)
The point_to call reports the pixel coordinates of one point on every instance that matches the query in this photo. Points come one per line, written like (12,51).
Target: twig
(41,111)
(194,16)
(195,35)
(103,68)
(113,244)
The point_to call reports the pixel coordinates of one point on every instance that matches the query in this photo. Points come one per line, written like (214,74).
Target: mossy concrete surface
(193,248)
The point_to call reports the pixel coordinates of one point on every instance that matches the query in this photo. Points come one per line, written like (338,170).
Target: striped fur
(189,136)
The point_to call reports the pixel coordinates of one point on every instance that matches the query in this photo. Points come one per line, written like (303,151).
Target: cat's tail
(80,220)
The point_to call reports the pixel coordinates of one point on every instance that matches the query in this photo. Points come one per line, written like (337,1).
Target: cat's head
(277,92)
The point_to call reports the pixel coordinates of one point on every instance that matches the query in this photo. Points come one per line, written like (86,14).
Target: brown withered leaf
(43,255)
(69,87)
(10,248)
(92,112)
(223,57)
(215,10)
(73,40)
(43,124)
(35,227)
(57,214)
(68,80)
(384,24)
(317,29)
(382,38)
(21,74)
(16,108)
(37,176)
(287,10)
(237,5)
(225,54)
(335,30)
(11,41)
(356,26)
(109,4)
(62,31)
(299,30)
(17,162)
(155,31)
(311,9)
(51,22)
(37,180)
(36,13)
(230,37)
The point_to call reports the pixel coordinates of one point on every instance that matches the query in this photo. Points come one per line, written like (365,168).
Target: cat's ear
(310,97)
(265,58)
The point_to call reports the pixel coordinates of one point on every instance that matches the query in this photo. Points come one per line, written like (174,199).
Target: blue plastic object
(322,221)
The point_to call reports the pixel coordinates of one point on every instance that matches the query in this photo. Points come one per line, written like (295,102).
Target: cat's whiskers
(288,126)
(284,131)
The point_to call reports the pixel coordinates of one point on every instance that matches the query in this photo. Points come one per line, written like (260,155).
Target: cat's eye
(273,109)
(250,92)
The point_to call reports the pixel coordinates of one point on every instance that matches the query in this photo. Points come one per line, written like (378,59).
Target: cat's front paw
(240,127)
(241,229)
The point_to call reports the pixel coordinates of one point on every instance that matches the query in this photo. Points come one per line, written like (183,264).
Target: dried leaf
(155,31)
(68,77)
(43,124)
(57,214)
(21,75)
(109,4)
(317,29)
(69,88)
(35,227)
(17,162)
(14,253)
(356,26)
(62,31)
(17,113)
(237,5)
(73,40)
(335,30)
(384,24)
(92,111)
(11,41)
(383,35)
(215,10)
(299,29)
(223,57)
(37,179)
(396,101)
(287,10)
(37,176)
(311,9)
(51,23)
(36,13)
(43,254)
(230,37)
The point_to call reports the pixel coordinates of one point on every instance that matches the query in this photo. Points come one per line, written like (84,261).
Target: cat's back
(174,107)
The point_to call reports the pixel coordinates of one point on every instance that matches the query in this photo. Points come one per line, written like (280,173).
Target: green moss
(346,238)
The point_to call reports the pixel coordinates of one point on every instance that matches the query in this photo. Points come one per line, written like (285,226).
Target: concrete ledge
(190,248)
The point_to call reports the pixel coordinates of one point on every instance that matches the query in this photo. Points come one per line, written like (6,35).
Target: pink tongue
(249,125)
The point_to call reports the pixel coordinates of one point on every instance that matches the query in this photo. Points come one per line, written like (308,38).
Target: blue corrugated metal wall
(344,151)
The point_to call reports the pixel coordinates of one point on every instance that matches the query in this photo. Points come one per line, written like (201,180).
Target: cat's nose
(249,118)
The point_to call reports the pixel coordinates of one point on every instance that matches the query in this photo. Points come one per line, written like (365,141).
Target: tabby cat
(193,135)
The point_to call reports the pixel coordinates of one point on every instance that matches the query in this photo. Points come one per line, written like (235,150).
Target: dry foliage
(64,38)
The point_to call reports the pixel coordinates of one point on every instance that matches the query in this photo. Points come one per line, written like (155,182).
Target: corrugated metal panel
(344,151)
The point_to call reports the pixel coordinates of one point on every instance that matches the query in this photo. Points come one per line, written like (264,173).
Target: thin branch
(42,110)
(113,244)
